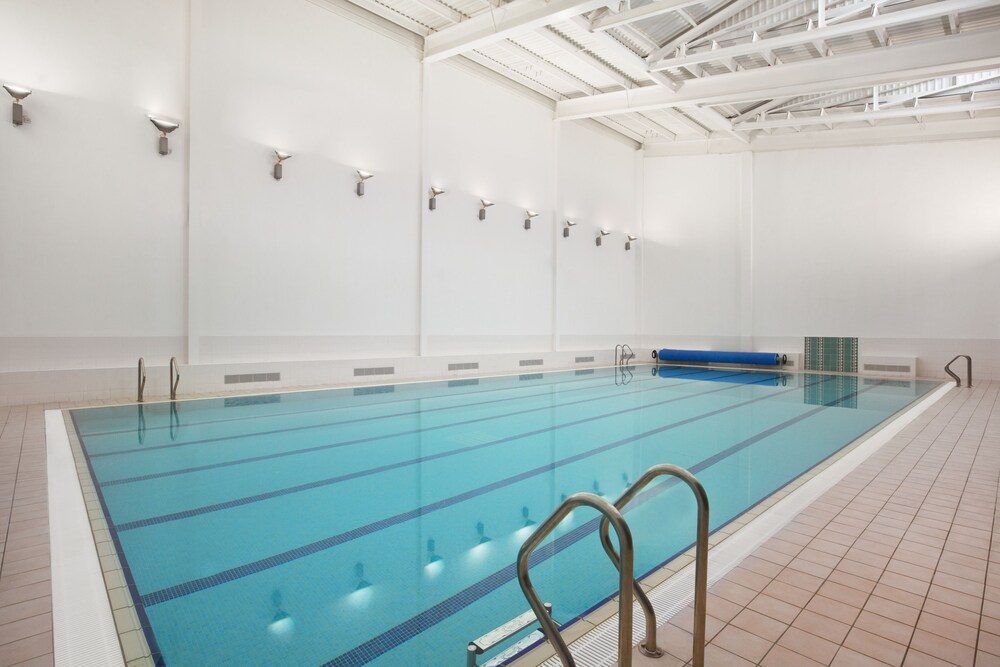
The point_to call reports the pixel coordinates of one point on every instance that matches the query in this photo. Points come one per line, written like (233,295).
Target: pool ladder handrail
(649,647)
(968,370)
(142,378)
(623,354)
(174,381)
(624,565)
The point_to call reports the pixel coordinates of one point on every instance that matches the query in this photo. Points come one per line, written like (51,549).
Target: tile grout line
(13,497)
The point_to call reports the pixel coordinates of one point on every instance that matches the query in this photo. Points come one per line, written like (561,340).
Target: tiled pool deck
(893,566)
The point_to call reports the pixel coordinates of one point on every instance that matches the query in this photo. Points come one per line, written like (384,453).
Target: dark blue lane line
(387,436)
(229,504)
(186,588)
(557,383)
(412,627)
(292,429)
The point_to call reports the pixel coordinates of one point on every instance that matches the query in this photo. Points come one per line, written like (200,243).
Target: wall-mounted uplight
(528,215)
(435,191)
(279,157)
(485,204)
(601,235)
(165,127)
(432,554)
(569,223)
(628,243)
(362,177)
(18,93)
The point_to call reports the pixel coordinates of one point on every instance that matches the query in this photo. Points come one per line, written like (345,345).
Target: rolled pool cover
(718,357)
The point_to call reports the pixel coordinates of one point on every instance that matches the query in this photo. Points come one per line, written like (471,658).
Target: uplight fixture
(165,127)
(486,203)
(362,177)
(527,519)
(280,157)
(569,223)
(628,243)
(601,235)
(528,215)
(432,556)
(435,191)
(18,93)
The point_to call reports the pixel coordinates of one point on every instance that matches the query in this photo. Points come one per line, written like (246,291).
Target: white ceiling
(676,75)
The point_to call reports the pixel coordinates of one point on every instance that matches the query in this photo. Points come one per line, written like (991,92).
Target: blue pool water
(379,525)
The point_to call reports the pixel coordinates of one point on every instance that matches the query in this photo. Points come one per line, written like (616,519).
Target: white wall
(598,188)
(487,284)
(110,251)
(693,211)
(92,226)
(897,245)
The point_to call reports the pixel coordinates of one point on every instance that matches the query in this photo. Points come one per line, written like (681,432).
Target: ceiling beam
(831,119)
(500,23)
(723,14)
(646,11)
(591,61)
(925,59)
(876,23)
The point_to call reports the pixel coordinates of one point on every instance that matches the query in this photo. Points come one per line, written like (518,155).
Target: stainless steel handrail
(968,370)
(649,647)
(621,357)
(174,382)
(625,575)
(142,377)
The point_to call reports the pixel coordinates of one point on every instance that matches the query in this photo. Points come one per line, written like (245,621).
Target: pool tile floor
(894,566)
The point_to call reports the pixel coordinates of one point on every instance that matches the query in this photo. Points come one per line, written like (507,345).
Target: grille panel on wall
(887,368)
(584,360)
(464,366)
(376,370)
(530,362)
(252,377)
(836,355)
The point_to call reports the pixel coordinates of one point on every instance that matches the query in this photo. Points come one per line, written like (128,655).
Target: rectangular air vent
(531,376)
(238,401)
(586,371)
(380,389)
(463,383)
(584,360)
(252,377)
(530,362)
(886,368)
(375,370)
(464,366)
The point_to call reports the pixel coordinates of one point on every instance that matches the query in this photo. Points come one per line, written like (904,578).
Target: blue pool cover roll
(712,356)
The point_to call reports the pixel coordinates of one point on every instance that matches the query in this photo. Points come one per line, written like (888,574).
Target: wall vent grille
(464,366)
(584,360)
(252,377)
(463,383)
(530,376)
(887,368)
(379,389)
(530,362)
(375,370)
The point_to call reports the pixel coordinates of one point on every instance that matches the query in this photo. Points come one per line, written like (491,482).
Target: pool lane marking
(407,630)
(247,569)
(291,429)
(333,408)
(246,500)
(386,436)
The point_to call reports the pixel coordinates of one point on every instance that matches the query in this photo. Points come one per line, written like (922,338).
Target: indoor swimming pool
(379,525)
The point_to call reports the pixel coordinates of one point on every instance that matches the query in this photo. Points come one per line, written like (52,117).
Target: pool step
(479,646)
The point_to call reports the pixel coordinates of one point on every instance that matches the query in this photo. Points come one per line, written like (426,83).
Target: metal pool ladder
(623,354)
(649,647)
(142,377)
(968,370)
(174,381)
(626,578)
